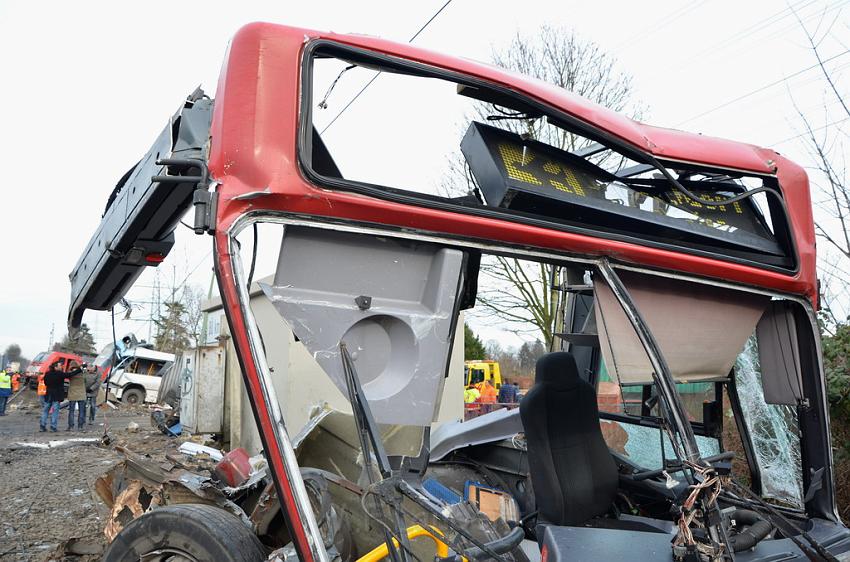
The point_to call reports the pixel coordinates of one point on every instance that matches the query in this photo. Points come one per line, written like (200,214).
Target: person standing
(77,400)
(92,378)
(507,393)
(488,396)
(42,390)
(5,390)
(54,384)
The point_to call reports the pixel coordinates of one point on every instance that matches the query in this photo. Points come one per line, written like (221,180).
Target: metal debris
(138,484)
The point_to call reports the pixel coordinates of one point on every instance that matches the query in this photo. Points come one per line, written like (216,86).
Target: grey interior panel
(779,354)
(581,544)
(491,427)
(392,302)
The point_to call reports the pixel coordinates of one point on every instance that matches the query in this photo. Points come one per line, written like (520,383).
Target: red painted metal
(254,132)
(235,468)
(250,374)
(255,125)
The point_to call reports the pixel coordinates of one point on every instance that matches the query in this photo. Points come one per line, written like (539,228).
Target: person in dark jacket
(507,393)
(92,378)
(54,380)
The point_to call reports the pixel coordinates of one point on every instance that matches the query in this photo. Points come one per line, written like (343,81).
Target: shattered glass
(774,431)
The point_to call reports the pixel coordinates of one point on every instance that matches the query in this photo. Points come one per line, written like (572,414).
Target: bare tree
(172,334)
(516,292)
(179,322)
(826,144)
(559,56)
(192,299)
(175,311)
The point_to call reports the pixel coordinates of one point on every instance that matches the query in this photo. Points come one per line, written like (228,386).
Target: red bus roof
(254,147)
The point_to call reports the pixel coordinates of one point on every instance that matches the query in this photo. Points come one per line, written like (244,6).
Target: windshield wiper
(367,431)
(390,489)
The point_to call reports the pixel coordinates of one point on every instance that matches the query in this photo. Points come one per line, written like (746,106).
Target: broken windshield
(710,337)
(363,337)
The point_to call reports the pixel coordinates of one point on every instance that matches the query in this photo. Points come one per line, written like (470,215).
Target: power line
(821,128)
(427,23)
(754,29)
(658,24)
(369,83)
(760,89)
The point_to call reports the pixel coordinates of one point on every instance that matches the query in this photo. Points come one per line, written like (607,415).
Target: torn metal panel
(330,442)
(488,428)
(133,501)
(137,485)
(265,510)
(391,301)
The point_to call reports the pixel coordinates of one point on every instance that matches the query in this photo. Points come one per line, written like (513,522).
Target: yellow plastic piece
(382,551)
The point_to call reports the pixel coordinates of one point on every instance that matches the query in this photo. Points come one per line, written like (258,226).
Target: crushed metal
(138,484)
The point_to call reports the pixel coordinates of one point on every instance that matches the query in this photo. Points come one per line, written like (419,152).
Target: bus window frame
(304,152)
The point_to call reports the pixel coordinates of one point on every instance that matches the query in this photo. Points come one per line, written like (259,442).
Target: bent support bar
(137,228)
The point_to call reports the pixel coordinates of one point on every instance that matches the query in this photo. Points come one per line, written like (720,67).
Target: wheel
(186,533)
(133,396)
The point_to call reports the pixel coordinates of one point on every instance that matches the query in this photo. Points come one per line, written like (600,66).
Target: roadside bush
(836,355)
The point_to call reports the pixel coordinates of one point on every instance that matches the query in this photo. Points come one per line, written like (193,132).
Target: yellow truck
(476,371)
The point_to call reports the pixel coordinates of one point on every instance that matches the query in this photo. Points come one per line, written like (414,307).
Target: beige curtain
(701,329)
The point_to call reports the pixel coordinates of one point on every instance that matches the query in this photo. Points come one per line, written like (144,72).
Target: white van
(136,378)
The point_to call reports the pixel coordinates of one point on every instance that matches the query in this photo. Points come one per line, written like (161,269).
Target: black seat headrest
(557,369)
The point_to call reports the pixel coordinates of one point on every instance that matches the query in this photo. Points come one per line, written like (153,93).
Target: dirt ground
(46,491)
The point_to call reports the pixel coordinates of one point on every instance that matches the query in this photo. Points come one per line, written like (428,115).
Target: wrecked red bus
(683,267)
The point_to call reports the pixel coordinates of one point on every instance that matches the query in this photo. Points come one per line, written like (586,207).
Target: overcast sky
(87,87)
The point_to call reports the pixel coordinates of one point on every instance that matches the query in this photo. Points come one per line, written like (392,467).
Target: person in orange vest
(42,390)
(16,382)
(488,395)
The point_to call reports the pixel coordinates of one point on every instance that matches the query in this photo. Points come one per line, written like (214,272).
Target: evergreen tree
(473,348)
(80,341)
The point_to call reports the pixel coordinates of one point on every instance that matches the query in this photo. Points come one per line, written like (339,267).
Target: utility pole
(50,343)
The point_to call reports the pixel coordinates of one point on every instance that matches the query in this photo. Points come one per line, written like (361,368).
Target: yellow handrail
(382,551)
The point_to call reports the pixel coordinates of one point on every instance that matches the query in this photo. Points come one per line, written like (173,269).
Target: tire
(202,533)
(133,396)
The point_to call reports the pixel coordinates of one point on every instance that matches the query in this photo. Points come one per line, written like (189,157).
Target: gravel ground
(46,494)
